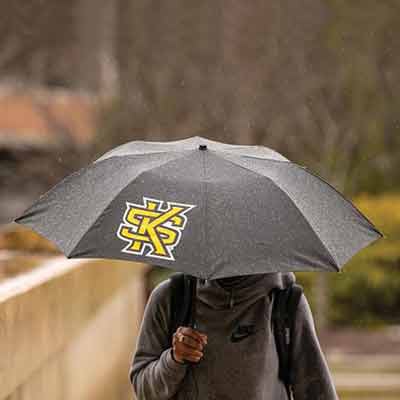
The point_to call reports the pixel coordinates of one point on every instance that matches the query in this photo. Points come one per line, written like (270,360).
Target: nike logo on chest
(241,332)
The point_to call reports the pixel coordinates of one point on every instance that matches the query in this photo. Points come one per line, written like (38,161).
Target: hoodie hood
(251,288)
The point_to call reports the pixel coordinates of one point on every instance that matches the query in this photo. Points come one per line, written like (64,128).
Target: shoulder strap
(180,301)
(284,310)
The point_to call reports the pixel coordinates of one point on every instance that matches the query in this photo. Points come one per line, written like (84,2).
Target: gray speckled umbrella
(202,207)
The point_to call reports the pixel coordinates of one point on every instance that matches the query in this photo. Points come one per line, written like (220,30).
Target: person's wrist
(173,357)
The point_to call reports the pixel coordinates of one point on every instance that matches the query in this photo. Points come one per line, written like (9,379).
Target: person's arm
(312,378)
(154,373)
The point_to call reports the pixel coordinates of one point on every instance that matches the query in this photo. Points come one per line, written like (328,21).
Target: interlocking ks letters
(153,230)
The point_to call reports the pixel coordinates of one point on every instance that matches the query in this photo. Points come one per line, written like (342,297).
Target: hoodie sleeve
(312,378)
(154,373)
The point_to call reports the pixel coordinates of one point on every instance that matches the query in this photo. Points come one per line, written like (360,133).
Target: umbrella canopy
(202,207)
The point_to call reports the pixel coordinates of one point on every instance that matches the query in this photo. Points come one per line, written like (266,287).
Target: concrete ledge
(68,329)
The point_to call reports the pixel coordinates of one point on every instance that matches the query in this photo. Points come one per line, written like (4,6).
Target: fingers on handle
(192,356)
(201,338)
(183,351)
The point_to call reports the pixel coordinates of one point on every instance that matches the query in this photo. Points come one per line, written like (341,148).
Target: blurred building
(44,135)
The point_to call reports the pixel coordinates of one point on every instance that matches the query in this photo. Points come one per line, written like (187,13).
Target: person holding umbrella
(217,212)
(223,368)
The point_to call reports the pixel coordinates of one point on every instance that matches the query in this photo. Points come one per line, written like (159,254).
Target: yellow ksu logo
(152,230)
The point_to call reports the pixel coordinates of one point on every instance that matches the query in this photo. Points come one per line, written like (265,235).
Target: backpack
(283,318)
(283,315)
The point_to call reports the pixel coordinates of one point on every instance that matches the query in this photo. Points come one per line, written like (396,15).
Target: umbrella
(202,207)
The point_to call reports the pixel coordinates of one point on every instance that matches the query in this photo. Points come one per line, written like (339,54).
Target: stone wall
(68,330)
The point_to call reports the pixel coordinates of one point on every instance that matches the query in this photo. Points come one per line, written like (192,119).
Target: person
(222,368)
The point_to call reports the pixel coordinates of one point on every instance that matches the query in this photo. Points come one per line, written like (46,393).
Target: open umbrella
(202,207)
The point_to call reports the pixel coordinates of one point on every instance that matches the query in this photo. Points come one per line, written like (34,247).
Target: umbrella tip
(203,147)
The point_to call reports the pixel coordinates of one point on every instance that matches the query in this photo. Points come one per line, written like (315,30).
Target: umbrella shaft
(193,286)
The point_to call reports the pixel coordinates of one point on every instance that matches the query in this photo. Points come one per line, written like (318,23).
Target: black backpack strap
(284,310)
(180,301)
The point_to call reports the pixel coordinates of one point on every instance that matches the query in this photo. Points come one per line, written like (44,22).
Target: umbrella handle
(193,287)
(192,323)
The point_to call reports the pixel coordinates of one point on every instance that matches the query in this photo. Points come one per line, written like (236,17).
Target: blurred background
(318,81)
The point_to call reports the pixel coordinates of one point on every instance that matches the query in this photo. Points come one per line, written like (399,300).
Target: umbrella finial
(203,147)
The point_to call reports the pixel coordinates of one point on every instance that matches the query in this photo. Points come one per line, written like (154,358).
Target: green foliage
(157,275)
(366,296)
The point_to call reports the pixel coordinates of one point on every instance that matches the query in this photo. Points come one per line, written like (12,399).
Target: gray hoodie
(247,369)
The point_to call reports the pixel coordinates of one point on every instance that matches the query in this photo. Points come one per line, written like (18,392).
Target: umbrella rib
(345,199)
(237,154)
(333,261)
(316,176)
(204,184)
(103,158)
(171,146)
